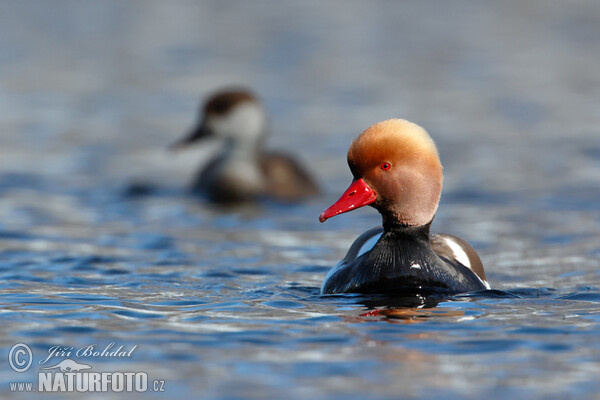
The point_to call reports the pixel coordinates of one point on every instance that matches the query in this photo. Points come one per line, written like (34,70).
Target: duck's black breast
(402,261)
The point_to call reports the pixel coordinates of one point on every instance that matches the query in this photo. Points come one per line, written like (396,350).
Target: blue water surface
(101,245)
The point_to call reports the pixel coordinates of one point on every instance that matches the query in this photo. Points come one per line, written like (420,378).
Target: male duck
(397,171)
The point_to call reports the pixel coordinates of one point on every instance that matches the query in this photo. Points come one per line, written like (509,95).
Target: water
(225,304)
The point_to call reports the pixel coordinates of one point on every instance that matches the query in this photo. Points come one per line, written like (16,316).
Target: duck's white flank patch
(459,254)
(368,245)
(415,266)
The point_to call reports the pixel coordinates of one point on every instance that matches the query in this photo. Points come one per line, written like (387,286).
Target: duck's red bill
(357,195)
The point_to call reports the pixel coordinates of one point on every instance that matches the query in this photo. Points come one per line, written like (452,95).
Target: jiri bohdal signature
(92,350)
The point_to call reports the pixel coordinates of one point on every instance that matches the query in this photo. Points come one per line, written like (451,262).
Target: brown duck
(243,170)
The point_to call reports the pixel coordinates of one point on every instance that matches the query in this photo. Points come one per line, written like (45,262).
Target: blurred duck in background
(242,170)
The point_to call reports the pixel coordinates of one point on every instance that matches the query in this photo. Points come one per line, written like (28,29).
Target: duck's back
(277,176)
(285,178)
(451,247)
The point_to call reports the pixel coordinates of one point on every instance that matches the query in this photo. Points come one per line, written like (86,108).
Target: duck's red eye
(385,166)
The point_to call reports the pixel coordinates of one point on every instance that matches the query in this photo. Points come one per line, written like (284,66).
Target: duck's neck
(417,231)
(242,150)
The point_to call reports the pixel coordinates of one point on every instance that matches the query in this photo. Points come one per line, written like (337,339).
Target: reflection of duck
(412,315)
(408,301)
(243,170)
(397,170)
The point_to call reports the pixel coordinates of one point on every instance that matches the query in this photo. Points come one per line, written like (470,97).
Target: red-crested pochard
(397,171)
(242,170)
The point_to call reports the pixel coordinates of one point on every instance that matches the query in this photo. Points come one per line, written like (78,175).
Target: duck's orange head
(397,170)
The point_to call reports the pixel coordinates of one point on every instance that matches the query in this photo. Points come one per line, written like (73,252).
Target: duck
(397,170)
(242,170)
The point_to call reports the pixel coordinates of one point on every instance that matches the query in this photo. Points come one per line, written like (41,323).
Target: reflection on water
(100,242)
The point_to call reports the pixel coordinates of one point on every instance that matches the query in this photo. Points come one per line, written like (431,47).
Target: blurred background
(93,92)
(101,88)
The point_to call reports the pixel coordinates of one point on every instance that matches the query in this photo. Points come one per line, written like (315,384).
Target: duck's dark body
(272,175)
(402,261)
